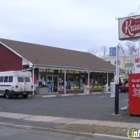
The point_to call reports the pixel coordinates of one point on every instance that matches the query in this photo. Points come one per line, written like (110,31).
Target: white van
(15,83)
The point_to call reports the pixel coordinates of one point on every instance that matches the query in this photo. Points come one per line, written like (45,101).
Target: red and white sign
(134,94)
(137,64)
(129,28)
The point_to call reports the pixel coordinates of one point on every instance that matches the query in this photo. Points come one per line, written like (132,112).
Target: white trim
(74,68)
(16,53)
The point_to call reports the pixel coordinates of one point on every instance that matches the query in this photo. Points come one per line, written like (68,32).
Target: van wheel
(25,96)
(7,95)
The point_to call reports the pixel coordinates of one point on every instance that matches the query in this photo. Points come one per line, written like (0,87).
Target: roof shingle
(47,55)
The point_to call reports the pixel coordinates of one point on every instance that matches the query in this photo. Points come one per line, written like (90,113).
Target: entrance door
(52,82)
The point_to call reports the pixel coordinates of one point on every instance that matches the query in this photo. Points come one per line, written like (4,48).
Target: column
(107,83)
(65,82)
(89,80)
(33,80)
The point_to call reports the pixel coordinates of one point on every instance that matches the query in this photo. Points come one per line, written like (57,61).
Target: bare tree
(99,51)
(131,48)
(128,48)
(104,50)
(122,49)
(94,51)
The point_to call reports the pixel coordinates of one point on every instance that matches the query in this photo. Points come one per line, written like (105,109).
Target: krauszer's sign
(137,64)
(129,28)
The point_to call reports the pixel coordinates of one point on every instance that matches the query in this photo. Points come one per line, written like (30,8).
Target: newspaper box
(134,94)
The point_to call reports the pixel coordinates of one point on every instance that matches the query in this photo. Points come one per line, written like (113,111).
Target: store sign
(129,28)
(137,64)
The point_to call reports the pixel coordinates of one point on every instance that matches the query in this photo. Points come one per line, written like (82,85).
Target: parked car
(124,88)
(15,83)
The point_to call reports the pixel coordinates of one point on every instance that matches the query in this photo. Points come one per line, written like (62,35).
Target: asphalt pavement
(53,111)
(92,107)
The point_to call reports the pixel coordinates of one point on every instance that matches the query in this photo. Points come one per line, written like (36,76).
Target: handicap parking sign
(112,51)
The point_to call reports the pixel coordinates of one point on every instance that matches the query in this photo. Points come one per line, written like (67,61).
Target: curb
(91,135)
(67,95)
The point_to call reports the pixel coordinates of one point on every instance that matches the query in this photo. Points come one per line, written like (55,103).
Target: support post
(65,82)
(107,83)
(116,109)
(33,81)
(89,81)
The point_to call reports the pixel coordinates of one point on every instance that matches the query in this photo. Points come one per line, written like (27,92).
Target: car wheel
(7,95)
(25,96)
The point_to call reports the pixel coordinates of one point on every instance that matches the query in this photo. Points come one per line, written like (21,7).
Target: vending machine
(134,94)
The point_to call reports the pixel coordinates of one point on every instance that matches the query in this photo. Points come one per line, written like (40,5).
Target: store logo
(133,133)
(136,92)
(131,26)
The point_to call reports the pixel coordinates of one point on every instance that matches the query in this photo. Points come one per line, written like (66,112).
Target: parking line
(48,96)
(67,95)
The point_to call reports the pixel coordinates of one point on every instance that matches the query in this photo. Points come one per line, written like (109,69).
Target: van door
(20,84)
(28,84)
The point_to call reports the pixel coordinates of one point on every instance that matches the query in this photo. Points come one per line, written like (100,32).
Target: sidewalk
(63,120)
(77,125)
(65,95)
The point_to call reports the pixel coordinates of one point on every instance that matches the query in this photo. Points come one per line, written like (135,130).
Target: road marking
(67,95)
(83,94)
(48,96)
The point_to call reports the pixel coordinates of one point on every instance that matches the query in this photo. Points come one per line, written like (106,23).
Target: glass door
(52,83)
(49,84)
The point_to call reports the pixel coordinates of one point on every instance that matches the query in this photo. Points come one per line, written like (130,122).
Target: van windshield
(20,79)
(27,79)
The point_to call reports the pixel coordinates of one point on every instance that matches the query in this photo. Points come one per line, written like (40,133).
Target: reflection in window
(27,79)
(1,79)
(10,78)
(20,79)
(6,79)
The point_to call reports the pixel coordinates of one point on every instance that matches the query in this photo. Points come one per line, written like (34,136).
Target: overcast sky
(71,24)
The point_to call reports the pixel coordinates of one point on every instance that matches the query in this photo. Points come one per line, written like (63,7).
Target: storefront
(57,81)
(56,70)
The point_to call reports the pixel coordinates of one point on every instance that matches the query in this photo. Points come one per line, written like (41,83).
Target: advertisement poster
(134,94)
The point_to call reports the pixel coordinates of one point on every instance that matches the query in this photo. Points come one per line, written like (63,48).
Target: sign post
(129,29)
(116,110)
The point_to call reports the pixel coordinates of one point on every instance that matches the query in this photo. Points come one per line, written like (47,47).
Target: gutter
(72,68)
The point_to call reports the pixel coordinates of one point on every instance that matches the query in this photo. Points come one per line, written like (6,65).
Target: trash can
(104,89)
(86,89)
(113,89)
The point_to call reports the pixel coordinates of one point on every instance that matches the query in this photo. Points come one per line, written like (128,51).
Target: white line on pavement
(67,95)
(48,96)
(82,94)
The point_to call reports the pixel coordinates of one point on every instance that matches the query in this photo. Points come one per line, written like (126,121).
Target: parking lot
(94,107)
